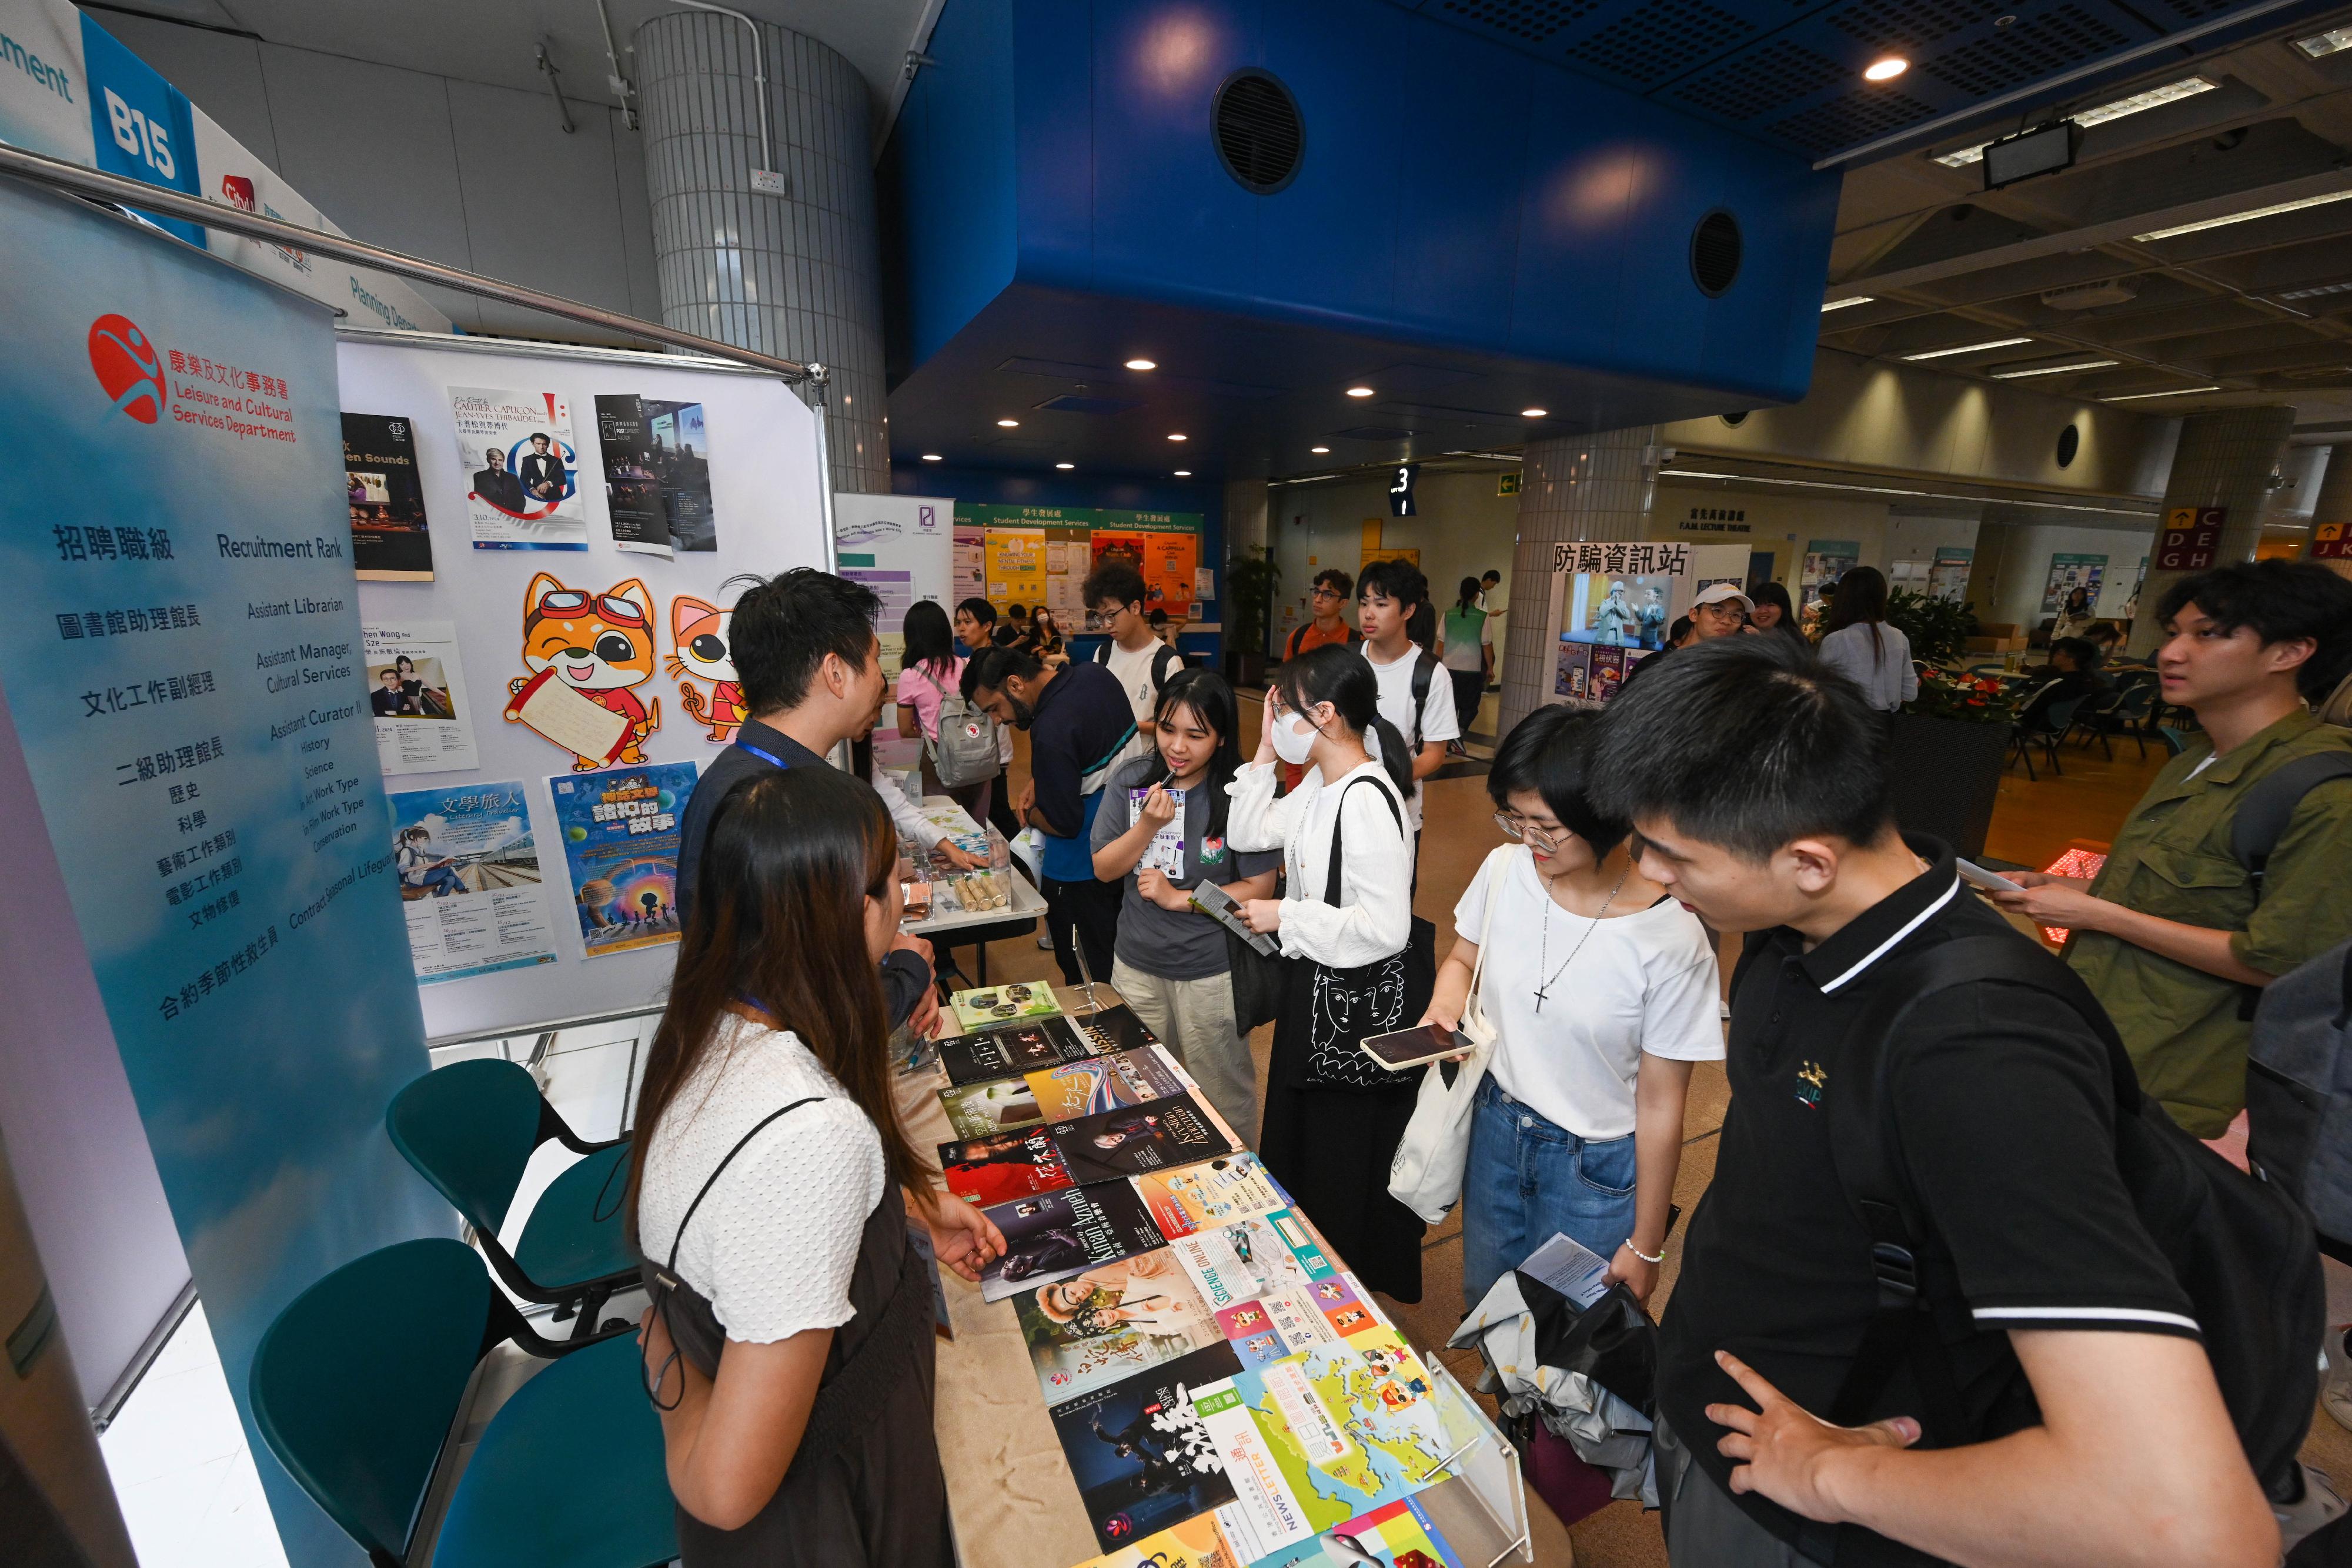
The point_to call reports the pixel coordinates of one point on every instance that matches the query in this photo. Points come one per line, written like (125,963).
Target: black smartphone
(1414,1047)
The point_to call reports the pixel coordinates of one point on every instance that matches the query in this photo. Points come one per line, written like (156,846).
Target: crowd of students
(1739,786)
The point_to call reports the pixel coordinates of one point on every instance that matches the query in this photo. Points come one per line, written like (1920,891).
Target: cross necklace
(1543,991)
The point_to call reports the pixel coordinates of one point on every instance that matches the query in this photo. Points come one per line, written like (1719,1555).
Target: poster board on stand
(597,661)
(1613,601)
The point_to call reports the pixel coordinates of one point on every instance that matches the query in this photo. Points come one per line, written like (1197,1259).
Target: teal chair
(359,1402)
(469,1129)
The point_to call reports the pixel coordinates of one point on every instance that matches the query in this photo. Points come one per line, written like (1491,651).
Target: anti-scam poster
(523,483)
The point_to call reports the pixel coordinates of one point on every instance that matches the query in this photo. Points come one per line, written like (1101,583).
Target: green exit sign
(1508,484)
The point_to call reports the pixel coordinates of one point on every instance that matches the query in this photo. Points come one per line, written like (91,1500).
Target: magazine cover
(1010,1052)
(1114,1027)
(1135,1139)
(977,1110)
(1054,1235)
(1142,1458)
(524,487)
(1250,1258)
(1400,1534)
(1112,1322)
(1214,1192)
(1004,1166)
(1069,1090)
(1265,1516)
(469,881)
(993,1005)
(417,690)
(1575,669)
(1608,670)
(619,841)
(1196,1544)
(656,474)
(390,543)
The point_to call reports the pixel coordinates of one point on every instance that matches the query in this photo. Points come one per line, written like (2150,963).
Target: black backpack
(2241,1247)
(1160,663)
(2299,1091)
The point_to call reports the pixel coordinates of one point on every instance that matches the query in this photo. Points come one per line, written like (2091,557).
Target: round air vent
(1736,419)
(2070,441)
(1260,138)
(1715,252)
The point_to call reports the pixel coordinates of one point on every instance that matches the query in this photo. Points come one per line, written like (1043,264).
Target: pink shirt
(916,691)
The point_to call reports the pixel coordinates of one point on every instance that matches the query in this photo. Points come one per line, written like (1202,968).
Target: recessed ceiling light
(2051,369)
(2177,391)
(2315,293)
(930,458)
(1359,391)
(1066,465)
(1009,423)
(2154,98)
(1970,348)
(1176,436)
(1535,413)
(1849,299)
(1143,364)
(1886,67)
(2334,41)
(1183,473)
(2248,216)
(1318,451)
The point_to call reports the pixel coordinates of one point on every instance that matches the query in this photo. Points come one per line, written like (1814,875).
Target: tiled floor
(182,1471)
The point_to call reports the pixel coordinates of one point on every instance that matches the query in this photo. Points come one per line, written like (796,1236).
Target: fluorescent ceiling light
(930,458)
(1318,451)
(1066,465)
(1176,436)
(2335,40)
(2315,292)
(1009,423)
(1890,490)
(1841,304)
(2270,212)
(1359,391)
(2177,391)
(1535,413)
(1970,348)
(1143,364)
(1885,69)
(1183,473)
(2051,369)
(2154,98)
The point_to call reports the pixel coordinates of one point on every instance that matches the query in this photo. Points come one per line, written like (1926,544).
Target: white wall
(473,176)
(2019,568)
(1464,529)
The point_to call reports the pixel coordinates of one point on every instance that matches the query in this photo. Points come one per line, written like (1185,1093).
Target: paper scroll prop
(585,652)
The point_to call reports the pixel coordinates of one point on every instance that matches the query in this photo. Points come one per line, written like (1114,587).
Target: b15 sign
(2191,535)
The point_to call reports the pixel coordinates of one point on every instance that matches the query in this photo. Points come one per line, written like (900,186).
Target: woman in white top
(770,1198)
(1329,1141)
(1858,643)
(1602,991)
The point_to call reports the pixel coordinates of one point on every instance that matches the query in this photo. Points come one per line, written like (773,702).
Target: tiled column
(2333,504)
(2225,459)
(797,275)
(1576,487)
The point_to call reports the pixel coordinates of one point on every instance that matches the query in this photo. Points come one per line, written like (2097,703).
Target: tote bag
(1345,1005)
(1426,1175)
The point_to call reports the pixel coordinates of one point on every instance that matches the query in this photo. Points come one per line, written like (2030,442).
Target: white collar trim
(1875,954)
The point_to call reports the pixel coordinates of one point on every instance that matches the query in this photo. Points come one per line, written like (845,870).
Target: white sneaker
(2321,1504)
(2335,1391)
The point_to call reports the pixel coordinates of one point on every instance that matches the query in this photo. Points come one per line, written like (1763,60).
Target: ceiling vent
(2091,296)
(1260,138)
(1715,252)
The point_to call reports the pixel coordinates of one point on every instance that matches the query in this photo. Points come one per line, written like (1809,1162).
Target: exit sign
(2192,536)
(1508,484)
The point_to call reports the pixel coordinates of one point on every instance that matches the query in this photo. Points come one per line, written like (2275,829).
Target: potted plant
(1947,749)
(1252,578)
(1937,629)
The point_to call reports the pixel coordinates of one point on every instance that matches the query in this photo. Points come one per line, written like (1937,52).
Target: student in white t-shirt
(1135,655)
(1415,694)
(1603,991)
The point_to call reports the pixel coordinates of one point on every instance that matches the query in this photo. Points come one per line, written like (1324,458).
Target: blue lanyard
(767,757)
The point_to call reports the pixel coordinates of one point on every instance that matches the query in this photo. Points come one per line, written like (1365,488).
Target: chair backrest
(2034,714)
(2062,713)
(469,1128)
(2137,699)
(355,1384)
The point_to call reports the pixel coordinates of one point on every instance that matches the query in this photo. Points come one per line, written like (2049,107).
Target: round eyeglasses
(1527,832)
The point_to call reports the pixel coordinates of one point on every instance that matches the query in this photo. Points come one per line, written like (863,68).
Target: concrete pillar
(2225,459)
(1574,487)
(796,274)
(2332,504)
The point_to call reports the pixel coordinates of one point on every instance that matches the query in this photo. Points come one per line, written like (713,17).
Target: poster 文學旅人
(417,692)
(469,881)
(523,481)
(620,831)
(390,541)
(656,455)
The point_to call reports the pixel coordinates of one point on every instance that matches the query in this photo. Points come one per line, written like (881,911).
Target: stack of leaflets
(990,1006)
(1011,1052)
(1214,1192)
(1130,1140)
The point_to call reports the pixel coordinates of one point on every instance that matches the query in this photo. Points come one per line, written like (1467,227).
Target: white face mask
(1293,737)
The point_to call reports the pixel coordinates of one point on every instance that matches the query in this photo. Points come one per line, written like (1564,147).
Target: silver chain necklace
(1544,956)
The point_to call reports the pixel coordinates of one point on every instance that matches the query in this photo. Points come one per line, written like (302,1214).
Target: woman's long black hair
(1339,675)
(1861,601)
(1205,693)
(1469,594)
(929,639)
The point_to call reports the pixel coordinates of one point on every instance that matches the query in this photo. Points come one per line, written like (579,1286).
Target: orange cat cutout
(698,635)
(585,652)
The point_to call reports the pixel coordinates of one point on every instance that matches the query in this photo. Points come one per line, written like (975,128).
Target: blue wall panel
(951,166)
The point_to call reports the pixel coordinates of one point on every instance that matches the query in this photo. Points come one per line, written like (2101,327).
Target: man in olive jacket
(2171,933)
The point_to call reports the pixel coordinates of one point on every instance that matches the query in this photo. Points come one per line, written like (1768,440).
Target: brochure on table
(1614,601)
(586,511)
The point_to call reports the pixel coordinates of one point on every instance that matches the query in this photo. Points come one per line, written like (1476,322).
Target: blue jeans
(1526,1179)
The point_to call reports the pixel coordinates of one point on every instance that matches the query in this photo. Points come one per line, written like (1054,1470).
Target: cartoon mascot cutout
(585,652)
(699,635)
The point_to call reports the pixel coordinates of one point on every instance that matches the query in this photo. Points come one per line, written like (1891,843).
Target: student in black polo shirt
(2093,1428)
(812,672)
(1080,726)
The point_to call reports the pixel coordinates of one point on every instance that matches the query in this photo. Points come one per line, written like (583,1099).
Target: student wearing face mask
(1333,1116)
(1171,965)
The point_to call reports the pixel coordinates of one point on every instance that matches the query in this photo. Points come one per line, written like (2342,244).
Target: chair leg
(2024,755)
(591,1305)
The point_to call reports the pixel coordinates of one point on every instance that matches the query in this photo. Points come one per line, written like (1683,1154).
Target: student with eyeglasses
(1603,993)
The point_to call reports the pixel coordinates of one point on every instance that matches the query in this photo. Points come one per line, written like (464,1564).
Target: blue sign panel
(141,122)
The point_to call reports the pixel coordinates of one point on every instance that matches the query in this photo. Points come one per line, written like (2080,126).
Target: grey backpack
(965,752)
(2299,1087)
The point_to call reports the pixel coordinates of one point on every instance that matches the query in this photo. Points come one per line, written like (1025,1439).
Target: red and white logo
(128,367)
(236,190)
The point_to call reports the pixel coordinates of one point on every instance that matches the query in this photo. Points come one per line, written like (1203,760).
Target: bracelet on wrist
(1645,1257)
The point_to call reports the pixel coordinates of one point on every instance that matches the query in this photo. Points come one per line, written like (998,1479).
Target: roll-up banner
(184,683)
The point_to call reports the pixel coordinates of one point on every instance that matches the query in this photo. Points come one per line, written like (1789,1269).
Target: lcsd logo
(126,365)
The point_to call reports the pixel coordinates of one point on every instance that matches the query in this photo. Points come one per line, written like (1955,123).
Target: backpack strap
(2270,804)
(1102,652)
(1425,671)
(1863,1146)
(1159,667)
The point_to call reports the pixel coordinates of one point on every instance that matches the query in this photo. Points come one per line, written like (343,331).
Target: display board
(903,548)
(1612,604)
(1042,555)
(572,637)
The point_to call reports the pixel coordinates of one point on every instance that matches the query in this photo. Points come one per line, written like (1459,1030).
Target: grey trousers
(1194,1019)
(1705,1528)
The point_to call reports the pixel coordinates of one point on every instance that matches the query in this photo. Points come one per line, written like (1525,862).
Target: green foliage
(1252,579)
(1938,629)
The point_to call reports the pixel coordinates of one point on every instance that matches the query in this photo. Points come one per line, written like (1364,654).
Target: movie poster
(390,543)
(1608,674)
(657,456)
(1142,1458)
(619,841)
(1619,609)
(417,690)
(469,881)
(522,476)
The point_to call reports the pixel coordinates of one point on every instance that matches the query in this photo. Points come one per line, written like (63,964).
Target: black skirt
(1330,1148)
